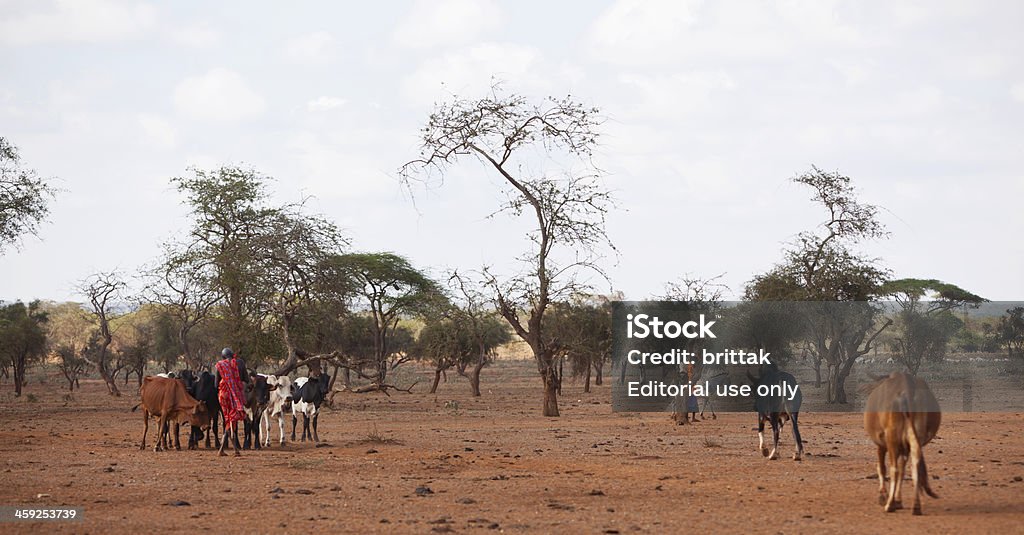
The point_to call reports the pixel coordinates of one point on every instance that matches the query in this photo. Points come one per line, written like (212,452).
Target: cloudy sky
(711,107)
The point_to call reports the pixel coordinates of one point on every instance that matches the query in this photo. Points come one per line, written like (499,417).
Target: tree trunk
(437,379)
(817,372)
(474,377)
(19,375)
(586,384)
(598,372)
(346,376)
(551,387)
(837,381)
(111,382)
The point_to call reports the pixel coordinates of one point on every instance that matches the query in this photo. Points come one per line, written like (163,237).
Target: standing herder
(229,377)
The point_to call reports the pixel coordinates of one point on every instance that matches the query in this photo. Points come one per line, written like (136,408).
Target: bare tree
(104,291)
(183,284)
(568,209)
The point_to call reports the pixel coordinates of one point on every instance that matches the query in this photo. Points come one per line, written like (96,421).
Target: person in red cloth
(230,378)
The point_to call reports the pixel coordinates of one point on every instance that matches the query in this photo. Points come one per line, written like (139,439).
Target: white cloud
(314,47)
(853,72)
(197,35)
(220,95)
(325,103)
(158,131)
(1017,91)
(89,21)
(446,22)
(473,70)
(673,96)
(638,32)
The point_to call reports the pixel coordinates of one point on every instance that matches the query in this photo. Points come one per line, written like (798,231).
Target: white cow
(280,398)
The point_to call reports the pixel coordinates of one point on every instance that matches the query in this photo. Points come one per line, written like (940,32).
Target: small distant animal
(901,416)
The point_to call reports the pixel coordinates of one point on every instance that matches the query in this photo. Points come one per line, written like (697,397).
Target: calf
(308,395)
(257,397)
(776,409)
(168,400)
(280,401)
(901,416)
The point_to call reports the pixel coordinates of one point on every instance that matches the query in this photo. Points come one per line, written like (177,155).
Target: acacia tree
(24,196)
(1010,331)
(22,338)
(71,365)
(584,328)
(104,291)
(567,209)
(229,211)
(390,288)
(483,330)
(837,284)
(925,327)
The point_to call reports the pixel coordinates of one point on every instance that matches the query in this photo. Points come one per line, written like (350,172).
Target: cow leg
(161,424)
(280,426)
(760,435)
(895,475)
(294,420)
(916,463)
(774,420)
(881,475)
(305,426)
(217,415)
(177,436)
(257,424)
(145,428)
(796,436)
(265,434)
(316,416)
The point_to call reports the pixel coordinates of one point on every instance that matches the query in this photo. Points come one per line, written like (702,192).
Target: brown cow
(901,416)
(168,400)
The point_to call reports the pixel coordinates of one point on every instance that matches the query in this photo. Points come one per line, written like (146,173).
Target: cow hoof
(764,452)
(917,511)
(881,499)
(897,505)
(796,457)
(773,456)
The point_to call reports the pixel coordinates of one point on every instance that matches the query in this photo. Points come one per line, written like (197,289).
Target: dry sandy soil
(492,464)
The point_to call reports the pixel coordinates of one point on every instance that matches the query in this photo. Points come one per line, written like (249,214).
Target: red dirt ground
(494,465)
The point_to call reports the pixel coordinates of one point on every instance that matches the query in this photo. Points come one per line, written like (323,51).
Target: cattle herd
(190,398)
(901,416)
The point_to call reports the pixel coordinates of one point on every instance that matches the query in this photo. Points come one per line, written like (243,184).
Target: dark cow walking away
(168,400)
(901,416)
(206,391)
(776,408)
(308,394)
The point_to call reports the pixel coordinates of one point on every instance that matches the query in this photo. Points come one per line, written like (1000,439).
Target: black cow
(257,397)
(308,394)
(206,391)
(776,409)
